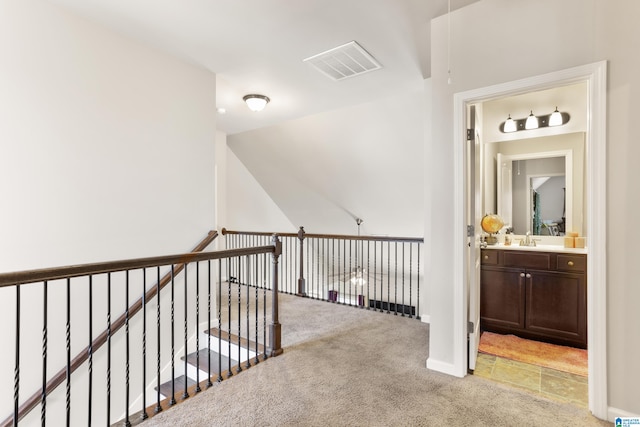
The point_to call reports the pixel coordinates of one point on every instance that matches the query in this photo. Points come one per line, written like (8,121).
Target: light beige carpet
(344,366)
(558,357)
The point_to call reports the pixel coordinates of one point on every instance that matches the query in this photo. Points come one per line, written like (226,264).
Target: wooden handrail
(328,236)
(33,276)
(179,262)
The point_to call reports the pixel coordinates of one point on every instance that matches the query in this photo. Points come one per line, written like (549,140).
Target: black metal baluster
(403,302)
(375,277)
(185,392)
(344,265)
(209,383)
(410,279)
(239,315)
(333,263)
(90,362)
(172,400)
(45,333)
(219,320)
(68,341)
(248,275)
(16,370)
(388,277)
(264,305)
(127,423)
(229,373)
(418,286)
(257,284)
(144,344)
(349,277)
(197,389)
(368,276)
(395,281)
(108,349)
(158,332)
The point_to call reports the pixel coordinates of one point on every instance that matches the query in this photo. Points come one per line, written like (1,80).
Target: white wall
(325,170)
(521,40)
(249,207)
(107,152)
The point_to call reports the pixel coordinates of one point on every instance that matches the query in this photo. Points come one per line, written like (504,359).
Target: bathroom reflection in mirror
(533,191)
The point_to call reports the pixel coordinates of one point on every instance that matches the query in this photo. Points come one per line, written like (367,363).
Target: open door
(474,216)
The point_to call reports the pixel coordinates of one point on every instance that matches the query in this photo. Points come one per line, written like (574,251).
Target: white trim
(615,413)
(444,367)
(425,318)
(595,75)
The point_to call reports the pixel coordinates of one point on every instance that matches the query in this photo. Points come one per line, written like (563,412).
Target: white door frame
(596,77)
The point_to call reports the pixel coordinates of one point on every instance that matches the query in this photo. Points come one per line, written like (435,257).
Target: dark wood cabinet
(536,295)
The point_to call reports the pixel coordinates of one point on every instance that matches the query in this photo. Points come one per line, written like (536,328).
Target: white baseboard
(444,367)
(425,318)
(615,413)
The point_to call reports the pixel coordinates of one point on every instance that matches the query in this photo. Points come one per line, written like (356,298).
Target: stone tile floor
(557,385)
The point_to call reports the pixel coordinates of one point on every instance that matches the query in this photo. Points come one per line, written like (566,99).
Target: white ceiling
(258,46)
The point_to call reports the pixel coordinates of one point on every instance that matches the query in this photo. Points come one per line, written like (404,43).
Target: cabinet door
(502,294)
(556,306)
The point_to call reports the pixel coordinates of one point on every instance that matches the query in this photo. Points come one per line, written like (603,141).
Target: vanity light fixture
(557,118)
(510,125)
(256,102)
(532,122)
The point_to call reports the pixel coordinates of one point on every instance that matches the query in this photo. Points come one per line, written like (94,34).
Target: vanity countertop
(538,248)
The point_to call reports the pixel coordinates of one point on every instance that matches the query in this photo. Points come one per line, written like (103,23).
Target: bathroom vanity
(535,292)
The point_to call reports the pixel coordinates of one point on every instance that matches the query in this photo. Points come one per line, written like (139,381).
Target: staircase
(221,356)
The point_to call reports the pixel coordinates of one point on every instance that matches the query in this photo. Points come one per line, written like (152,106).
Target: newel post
(275,348)
(301,281)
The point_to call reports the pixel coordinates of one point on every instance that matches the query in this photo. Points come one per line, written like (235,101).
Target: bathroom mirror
(534,191)
(546,198)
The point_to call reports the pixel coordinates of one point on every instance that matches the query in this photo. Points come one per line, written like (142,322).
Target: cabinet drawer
(489,257)
(577,263)
(535,260)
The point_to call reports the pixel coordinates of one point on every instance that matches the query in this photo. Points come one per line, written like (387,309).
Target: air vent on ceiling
(344,61)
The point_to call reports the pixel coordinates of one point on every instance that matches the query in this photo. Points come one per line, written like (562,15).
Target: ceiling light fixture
(557,118)
(256,102)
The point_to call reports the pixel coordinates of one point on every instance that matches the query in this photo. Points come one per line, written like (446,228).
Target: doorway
(595,77)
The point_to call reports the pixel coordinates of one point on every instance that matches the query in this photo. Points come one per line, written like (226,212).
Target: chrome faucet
(528,241)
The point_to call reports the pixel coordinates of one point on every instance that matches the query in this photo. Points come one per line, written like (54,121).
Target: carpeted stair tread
(202,361)
(165,388)
(244,343)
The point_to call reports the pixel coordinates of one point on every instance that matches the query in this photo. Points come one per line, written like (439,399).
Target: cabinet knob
(570,263)
(528,276)
(486,257)
(521,274)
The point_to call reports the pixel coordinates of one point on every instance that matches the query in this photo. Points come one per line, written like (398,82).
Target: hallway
(348,366)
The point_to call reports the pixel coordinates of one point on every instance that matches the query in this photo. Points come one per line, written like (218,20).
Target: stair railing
(378,273)
(62,292)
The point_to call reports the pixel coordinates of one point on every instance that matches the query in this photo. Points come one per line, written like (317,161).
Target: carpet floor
(344,366)
(561,358)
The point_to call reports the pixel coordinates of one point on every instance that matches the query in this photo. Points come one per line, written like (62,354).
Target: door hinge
(470,327)
(470,133)
(471,230)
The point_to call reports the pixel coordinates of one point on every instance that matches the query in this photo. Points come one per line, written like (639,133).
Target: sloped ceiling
(365,161)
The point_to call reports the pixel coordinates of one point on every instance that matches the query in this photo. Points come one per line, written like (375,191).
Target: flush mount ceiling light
(256,102)
(531,122)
